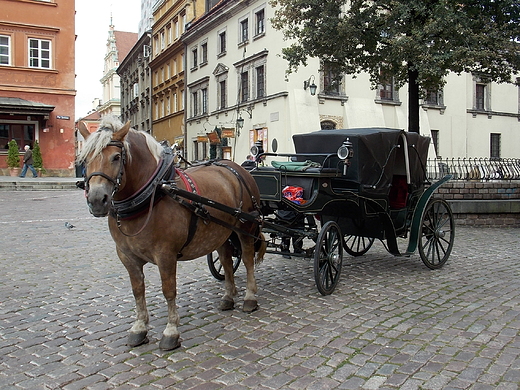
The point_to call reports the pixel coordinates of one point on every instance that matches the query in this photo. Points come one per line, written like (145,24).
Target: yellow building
(167,66)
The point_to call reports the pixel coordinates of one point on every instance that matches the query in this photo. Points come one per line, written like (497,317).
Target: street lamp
(312,87)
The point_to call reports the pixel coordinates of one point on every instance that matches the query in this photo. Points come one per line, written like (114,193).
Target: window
(199,97)
(331,81)
(39,53)
(204,53)
(204,100)
(222,95)
(135,91)
(244,31)
(194,58)
(221,43)
(328,125)
(163,40)
(170,36)
(494,146)
(195,103)
(252,77)
(5,58)
(200,150)
(175,105)
(435,141)
(433,98)
(480,97)
(22,134)
(244,86)
(481,93)
(260,81)
(386,92)
(259,22)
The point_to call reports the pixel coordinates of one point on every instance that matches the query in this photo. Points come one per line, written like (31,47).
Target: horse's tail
(260,248)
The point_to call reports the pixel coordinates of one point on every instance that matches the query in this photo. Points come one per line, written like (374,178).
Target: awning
(19,106)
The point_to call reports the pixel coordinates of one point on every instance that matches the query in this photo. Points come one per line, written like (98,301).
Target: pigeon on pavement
(69,225)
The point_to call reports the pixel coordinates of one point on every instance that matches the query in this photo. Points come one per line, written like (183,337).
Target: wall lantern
(312,87)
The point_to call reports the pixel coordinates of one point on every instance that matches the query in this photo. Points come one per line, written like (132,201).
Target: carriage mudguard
(419,213)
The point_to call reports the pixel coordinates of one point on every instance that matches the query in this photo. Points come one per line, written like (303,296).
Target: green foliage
(37,156)
(13,155)
(417,42)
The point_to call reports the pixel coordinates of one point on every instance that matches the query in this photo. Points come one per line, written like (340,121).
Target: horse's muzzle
(99,202)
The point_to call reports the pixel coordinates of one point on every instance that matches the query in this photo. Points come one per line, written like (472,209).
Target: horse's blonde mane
(98,140)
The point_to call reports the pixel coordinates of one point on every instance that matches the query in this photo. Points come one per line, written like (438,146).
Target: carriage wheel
(216,268)
(328,256)
(357,245)
(437,234)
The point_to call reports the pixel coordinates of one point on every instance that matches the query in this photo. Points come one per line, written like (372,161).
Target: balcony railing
(483,169)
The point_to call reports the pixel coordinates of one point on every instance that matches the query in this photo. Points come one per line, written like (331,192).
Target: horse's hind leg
(225,253)
(139,329)
(248,254)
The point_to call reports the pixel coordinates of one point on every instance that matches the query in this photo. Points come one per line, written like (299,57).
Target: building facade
(237,89)
(119,44)
(167,66)
(37,80)
(135,79)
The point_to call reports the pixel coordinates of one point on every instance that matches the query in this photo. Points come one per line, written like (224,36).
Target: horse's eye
(116,158)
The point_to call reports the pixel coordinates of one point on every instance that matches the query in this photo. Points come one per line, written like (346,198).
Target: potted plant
(38,160)
(13,158)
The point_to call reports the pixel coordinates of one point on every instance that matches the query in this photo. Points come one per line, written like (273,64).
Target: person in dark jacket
(28,162)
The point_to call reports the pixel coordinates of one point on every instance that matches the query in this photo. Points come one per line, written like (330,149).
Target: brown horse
(125,167)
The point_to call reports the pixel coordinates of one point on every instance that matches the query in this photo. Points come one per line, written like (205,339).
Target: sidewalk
(29,183)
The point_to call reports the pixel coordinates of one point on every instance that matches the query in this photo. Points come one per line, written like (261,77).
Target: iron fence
(483,169)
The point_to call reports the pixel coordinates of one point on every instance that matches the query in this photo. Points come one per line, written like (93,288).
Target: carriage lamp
(257,149)
(312,87)
(345,153)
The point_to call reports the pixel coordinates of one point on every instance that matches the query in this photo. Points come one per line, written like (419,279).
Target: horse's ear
(83,130)
(122,132)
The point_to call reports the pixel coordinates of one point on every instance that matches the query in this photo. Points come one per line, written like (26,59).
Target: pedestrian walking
(28,162)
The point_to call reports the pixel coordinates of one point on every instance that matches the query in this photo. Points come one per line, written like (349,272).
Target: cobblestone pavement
(66,307)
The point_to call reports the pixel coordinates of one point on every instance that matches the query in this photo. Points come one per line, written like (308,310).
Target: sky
(92,25)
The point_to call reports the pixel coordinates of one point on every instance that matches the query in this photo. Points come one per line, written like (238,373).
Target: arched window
(328,125)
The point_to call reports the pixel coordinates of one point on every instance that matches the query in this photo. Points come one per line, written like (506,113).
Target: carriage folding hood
(379,154)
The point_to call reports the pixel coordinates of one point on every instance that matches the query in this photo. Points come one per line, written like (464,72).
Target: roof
(11,105)
(93,116)
(124,43)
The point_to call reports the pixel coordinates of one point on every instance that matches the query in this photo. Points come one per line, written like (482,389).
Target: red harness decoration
(188,182)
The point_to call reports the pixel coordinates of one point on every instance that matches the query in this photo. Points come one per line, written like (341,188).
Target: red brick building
(37,80)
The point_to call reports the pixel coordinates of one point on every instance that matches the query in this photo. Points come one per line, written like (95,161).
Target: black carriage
(358,185)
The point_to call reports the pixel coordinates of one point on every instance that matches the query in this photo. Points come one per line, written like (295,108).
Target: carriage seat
(296,166)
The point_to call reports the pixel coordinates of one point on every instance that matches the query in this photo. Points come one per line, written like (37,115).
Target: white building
(234,70)
(119,44)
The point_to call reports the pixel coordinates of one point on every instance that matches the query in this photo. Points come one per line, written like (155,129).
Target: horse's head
(104,155)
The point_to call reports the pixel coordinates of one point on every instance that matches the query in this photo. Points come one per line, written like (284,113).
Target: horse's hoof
(136,339)
(169,342)
(227,304)
(250,306)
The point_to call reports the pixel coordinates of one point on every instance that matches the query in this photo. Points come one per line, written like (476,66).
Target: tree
(417,42)
(37,156)
(13,155)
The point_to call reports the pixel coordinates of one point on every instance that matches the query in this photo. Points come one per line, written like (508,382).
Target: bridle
(117,181)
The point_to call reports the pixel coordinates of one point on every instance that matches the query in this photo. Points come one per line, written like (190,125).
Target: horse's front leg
(139,329)
(171,336)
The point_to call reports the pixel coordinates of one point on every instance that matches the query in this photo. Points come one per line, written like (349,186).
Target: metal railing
(482,169)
